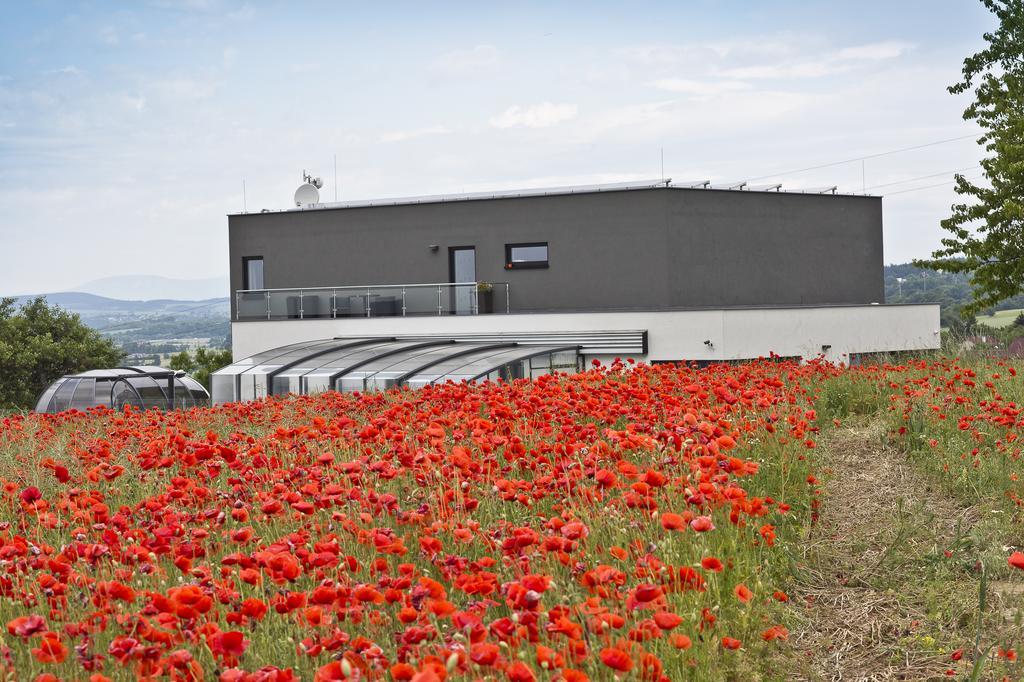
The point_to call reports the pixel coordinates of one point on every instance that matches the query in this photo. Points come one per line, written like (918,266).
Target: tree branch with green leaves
(986,228)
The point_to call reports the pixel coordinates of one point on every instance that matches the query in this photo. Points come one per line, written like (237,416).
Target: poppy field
(629,522)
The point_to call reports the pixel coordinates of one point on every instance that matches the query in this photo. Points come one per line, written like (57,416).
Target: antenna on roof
(308,193)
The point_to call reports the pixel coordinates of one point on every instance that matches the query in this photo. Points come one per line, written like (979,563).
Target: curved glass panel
(62,398)
(436,372)
(287,377)
(151,393)
(123,394)
(252,382)
(196,390)
(43,404)
(85,395)
(510,364)
(383,373)
(318,379)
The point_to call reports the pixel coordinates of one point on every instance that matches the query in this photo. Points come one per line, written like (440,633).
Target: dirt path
(871,612)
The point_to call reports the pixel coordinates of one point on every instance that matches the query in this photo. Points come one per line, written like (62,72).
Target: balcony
(393,300)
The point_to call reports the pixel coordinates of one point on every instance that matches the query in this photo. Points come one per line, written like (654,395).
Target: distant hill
(92,306)
(152,287)
(153,326)
(951,290)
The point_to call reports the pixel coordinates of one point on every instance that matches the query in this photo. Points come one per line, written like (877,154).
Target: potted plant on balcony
(484,297)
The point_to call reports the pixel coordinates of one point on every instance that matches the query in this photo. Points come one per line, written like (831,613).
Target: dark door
(462,269)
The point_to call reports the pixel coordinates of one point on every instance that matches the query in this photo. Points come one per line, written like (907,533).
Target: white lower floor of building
(837,333)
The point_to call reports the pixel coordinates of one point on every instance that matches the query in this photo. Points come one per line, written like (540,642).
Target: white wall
(672,334)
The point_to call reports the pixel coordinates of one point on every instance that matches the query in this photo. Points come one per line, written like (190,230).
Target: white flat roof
(663,183)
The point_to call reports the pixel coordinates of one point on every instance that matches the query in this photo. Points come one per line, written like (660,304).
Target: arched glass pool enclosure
(140,387)
(367,364)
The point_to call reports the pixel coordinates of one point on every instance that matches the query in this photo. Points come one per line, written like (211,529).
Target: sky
(128,130)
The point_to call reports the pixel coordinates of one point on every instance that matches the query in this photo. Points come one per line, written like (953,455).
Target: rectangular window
(252,272)
(533,255)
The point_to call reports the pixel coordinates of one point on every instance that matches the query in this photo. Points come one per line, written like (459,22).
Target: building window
(252,272)
(533,255)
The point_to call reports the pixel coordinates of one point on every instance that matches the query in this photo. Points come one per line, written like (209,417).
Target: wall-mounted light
(434,247)
(708,343)
(826,347)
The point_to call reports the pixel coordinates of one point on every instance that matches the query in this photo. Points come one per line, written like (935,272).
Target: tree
(40,343)
(987,228)
(202,363)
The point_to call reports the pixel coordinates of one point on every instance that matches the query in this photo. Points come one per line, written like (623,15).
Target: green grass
(1000,318)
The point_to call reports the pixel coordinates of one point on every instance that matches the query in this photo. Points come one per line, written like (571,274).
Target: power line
(938,184)
(862,158)
(925,177)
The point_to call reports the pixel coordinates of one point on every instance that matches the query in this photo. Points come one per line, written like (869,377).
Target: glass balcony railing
(393,300)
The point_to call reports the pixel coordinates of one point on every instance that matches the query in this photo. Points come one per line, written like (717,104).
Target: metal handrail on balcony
(385,300)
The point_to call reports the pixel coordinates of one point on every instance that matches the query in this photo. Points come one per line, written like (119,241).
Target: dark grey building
(405,292)
(640,247)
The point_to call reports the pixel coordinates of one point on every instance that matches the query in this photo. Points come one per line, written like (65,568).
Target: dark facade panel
(639,249)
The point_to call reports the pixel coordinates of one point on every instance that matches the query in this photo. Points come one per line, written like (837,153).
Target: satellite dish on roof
(308,193)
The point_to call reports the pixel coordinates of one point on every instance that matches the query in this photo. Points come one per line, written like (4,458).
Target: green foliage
(202,363)
(951,290)
(39,343)
(849,394)
(986,228)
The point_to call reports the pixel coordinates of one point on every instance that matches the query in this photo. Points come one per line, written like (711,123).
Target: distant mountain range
(93,308)
(143,318)
(151,287)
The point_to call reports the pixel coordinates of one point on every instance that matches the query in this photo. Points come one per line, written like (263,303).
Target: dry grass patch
(878,597)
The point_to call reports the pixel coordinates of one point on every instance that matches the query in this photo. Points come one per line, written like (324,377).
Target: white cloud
(244,13)
(534,116)
(177,89)
(780,56)
(108,35)
(475,60)
(134,102)
(824,64)
(873,51)
(69,70)
(699,88)
(403,135)
(808,69)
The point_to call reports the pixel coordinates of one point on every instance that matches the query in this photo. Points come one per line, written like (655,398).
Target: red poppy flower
(702,524)
(743,593)
(730,643)
(50,649)
(670,521)
(617,659)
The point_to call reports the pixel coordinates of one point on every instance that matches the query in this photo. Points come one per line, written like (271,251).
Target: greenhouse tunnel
(140,387)
(368,364)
